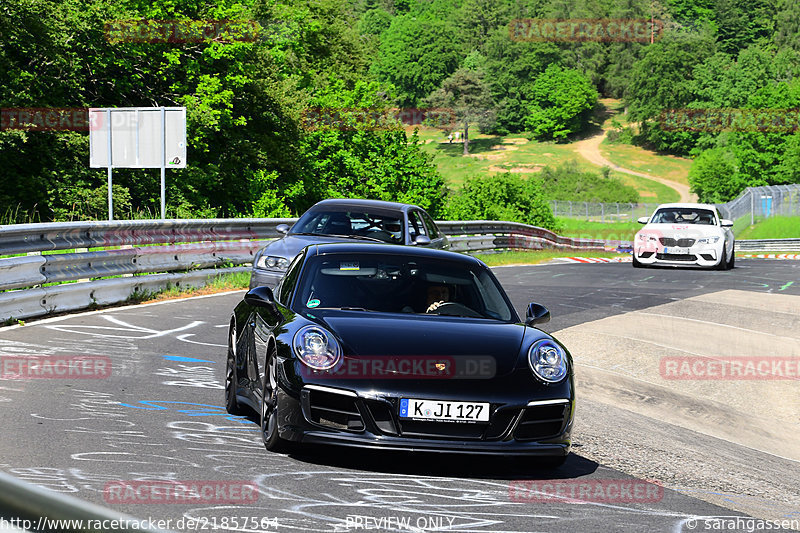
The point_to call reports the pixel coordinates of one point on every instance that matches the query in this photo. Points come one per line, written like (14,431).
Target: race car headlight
(316,348)
(271,262)
(645,237)
(708,240)
(548,361)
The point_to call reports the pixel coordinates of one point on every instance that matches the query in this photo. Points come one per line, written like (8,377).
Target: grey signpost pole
(110,192)
(163,159)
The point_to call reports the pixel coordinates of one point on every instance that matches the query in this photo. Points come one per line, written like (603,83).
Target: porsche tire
(231,377)
(270,409)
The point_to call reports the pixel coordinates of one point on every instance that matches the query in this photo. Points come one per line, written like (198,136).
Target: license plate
(439,410)
(676,251)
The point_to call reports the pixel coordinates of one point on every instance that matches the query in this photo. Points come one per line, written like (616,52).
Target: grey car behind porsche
(346,220)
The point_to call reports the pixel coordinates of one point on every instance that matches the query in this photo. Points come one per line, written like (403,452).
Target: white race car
(685,234)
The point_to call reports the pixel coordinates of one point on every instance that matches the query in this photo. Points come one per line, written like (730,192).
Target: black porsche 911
(385,346)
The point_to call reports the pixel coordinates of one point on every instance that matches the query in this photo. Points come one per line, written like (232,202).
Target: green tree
(787,24)
(511,68)
(358,157)
(465,93)
(561,103)
(714,176)
(416,54)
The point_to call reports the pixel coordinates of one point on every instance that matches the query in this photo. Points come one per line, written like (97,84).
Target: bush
(568,182)
(562,102)
(501,197)
(713,176)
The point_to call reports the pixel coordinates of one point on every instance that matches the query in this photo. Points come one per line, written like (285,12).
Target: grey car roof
(358,202)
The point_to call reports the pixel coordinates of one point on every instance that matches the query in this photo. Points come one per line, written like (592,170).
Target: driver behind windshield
(437,295)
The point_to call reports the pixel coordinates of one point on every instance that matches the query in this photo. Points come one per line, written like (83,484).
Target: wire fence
(755,202)
(764,202)
(601,212)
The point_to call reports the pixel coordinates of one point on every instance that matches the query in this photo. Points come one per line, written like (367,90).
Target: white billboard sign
(137,137)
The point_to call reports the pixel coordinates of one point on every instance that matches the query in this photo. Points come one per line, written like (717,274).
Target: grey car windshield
(399,284)
(352,223)
(683,215)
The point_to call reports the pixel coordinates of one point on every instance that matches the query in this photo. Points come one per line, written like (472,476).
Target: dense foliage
(502,197)
(568,182)
(256,148)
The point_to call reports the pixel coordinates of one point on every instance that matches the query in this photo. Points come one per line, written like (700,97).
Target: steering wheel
(454,308)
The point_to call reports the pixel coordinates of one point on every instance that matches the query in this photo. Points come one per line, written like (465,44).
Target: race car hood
(363,335)
(681,231)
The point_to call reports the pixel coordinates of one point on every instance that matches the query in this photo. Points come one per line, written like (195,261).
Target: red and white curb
(772,256)
(621,259)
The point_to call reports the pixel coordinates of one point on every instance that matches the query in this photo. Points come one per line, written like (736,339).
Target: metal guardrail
(26,507)
(143,256)
(149,255)
(768,245)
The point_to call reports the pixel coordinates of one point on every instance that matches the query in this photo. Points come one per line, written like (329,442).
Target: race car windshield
(682,215)
(398,284)
(351,224)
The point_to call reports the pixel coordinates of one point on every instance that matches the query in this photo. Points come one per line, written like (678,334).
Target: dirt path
(589,149)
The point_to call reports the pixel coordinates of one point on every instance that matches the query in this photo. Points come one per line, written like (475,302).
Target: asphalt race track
(160,416)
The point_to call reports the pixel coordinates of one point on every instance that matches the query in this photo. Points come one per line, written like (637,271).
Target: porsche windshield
(683,215)
(355,223)
(399,284)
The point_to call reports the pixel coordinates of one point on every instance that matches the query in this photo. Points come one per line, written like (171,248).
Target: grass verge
(534,257)
(779,227)
(584,229)
(221,283)
(641,160)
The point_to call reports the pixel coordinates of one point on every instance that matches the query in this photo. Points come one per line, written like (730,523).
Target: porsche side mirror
(536,314)
(282,228)
(260,297)
(422,240)
(725,223)
(643,220)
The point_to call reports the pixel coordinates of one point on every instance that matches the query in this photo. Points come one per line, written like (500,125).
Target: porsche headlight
(271,262)
(708,240)
(548,361)
(316,348)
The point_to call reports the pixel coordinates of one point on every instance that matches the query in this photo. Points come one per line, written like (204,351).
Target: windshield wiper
(354,237)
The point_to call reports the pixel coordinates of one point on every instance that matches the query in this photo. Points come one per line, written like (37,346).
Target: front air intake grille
(442,430)
(669,241)
(677,257)
(333,410)
(381,413)
(541,422)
